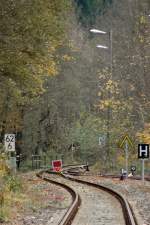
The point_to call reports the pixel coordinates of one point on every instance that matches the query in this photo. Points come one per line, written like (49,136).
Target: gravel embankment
(137,193)
(97,206)
(44,203)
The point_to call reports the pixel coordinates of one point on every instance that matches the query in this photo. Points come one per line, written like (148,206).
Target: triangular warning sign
(125,139)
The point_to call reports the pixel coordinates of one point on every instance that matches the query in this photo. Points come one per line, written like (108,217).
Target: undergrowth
(10,185)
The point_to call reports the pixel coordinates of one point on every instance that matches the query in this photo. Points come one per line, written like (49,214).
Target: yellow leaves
(107,103)
(51,69)
(111,103)
(67,58)
(40,69)
(109,96)
(110,82)
(51,49)
(103,104)
(109,85)
(142,20)
(47,68)
(112,86)
(3,166)
(104,74)
(144,136)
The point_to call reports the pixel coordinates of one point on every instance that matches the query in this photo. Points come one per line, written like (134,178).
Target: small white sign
(10,142)
(102,140)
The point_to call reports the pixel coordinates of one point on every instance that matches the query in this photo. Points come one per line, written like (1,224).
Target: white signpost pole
(126,153)
(125,144)
(143,169)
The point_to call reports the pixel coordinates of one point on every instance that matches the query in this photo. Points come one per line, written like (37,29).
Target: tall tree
(30,33)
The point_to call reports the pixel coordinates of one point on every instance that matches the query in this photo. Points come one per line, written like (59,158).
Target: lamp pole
(111,51)
(106,47)
(109,94)
(96,31)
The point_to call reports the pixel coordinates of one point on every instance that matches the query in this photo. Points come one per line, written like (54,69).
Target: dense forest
(90,10)
(59,93)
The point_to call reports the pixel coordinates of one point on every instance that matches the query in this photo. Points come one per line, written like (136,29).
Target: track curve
(128,215)
(127,211)
(71,212)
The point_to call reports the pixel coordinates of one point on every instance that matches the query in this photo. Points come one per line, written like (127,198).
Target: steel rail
(129,217)
(147,178)
(128,214)
(72,166)
(71,212)
(135,177)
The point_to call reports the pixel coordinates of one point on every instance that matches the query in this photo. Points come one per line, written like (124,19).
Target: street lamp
(102,46)
(96,31)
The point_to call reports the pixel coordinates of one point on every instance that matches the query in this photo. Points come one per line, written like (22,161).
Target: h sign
(143,151)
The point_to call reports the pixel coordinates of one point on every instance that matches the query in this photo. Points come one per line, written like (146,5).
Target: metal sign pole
(126,152)
(72,149)
(143,168)
(125,144)
(32,162)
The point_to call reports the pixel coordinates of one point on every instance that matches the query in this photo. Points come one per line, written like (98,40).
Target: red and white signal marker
(57,165)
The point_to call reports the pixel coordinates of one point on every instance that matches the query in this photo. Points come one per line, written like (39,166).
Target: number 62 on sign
(10,142)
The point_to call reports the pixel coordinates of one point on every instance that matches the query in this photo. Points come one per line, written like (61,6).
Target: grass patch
(10,190)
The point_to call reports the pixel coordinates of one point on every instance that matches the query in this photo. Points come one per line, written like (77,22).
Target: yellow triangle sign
(125,139)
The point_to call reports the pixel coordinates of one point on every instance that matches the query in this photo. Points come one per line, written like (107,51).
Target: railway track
(72,210)
(135,177)
(127,211)
(147,178)
(64,181)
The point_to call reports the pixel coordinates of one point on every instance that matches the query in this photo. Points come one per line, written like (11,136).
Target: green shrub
(2,216)
(13,183)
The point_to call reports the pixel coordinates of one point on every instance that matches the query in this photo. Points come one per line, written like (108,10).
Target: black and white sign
(143,151)
(10,142)
(133,168)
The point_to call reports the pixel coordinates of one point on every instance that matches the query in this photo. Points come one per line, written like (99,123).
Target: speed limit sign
(10,142)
